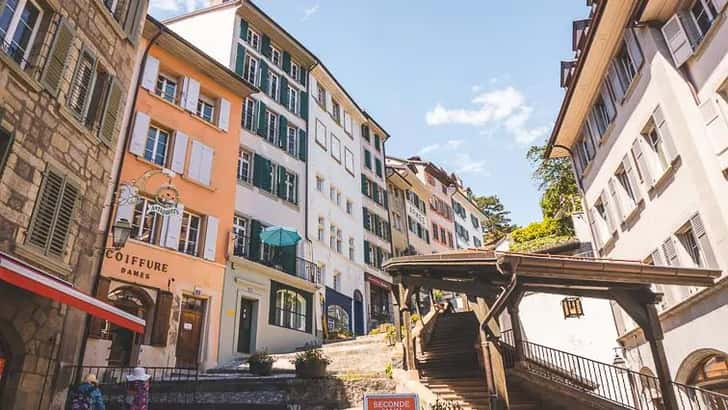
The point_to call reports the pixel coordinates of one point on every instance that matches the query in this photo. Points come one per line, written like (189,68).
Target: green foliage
(263,358)
(560,194)
(388,370)
(310,355)
(546,228)
(497,223)
(437,293)
(538,244)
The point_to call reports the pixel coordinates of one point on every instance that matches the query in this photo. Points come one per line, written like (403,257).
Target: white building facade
(646,120)
(468,219)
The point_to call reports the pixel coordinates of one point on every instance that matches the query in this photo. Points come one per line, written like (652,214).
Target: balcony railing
(277,258)
(16,54)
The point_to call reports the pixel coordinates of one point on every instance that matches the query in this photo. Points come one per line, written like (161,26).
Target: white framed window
(352,250)
(272,134)
(337,281)
(690,243)
(166,88)
(332,237)
(319,184)
(292,140)
(240,235)
(332,194)
(321,96)
(295,71)
(349,207)
(250,69)
(253,39)
(273,82)
(321,224)
(626,185)
(80,92)
(291,194)
(157,146)
(189,236)
(245,160)
(349,160)
(336,111)
(206,109)
(249,114)
(339,241)
(145,225)
(703,13)
(275,55)
(321,134)
(657,149)
(335,148)
(19,22)
(338,198)
(293,100)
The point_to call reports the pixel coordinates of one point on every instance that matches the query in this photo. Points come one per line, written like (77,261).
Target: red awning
(24,276)
(377,281)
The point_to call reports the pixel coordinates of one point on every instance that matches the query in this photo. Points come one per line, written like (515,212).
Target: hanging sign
(404,401)
(166,196)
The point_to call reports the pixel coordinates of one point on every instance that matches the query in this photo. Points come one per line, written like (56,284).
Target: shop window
(292,308)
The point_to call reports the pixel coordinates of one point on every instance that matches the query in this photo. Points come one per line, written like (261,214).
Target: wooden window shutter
(643,166)
(716,124)
(265,46)
(274,288)
(53,214)
(286,62)
(282,132)
(240,60)
(596,231)
(58,57)
(163,314)
(173,227)
(303,99)
(613,79)
(677,40)
(611,225)
(631,172)
(113,107)
(615,198)
(302,145)
(670,252)
(243,30)
(657,258)
(302,76)
(633,48)
(719,4)
(223,116)
(658,117)
(211,238)
(139,134)
(262,120)
(134,18)
(102,293)
(179,152)
(281,186)
(263,78)
(707,250)
(283,92)
(151,73)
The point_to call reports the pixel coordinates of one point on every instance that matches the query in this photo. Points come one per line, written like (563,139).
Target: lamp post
(622,369)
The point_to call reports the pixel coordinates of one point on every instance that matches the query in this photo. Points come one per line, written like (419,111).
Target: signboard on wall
(397,401)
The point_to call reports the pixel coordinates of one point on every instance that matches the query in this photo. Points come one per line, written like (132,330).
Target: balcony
(283,259)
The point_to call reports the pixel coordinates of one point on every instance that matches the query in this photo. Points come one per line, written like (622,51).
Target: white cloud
(475,88)
(500,108)
(177,6)
(428,148)
(454,144)
(307,13)
(467,165)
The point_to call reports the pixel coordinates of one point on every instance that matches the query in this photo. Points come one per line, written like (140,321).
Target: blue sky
(468,84)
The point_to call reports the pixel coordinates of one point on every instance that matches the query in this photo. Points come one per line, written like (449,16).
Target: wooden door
(245,327)
(190,332)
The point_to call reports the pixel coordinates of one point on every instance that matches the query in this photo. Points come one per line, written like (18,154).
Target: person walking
(87,395)
(137,389)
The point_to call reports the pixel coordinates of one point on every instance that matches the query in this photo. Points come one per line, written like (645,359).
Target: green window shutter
(367,249)
(304,105)
(286,62)
(378,167)
(309,311)
(283,99)
(265,46)
(364,185)
(262,120)
(377,142)
(113,105)
(281,188)
(58,56)
(53,214)
(261,173)
(302,146)
(282,132)
(365,217)
(263,81)
(303,76)
(243,30)
(254,245)
(386,199)
(240,60)
(288,259)
(368,159)
(274,288)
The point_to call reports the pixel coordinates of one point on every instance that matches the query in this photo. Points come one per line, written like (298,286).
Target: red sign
(391,402)
(376,281)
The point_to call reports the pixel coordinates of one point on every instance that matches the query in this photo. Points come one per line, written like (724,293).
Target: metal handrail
(116,374)
(304,268)
(625,387)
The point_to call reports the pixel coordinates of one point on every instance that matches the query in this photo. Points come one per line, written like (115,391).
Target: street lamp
(120,232)
(572,307)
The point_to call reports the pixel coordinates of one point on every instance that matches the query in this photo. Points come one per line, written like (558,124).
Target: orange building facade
(177,190)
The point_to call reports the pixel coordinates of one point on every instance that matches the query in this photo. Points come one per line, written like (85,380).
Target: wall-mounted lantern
(120,232)
(572,307)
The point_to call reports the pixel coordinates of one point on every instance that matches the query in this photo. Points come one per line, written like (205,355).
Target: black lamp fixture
(572,307)
(120,231)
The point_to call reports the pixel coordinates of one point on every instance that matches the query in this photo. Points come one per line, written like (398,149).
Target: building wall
(396,188)
(45,133)
(473,232)
(435,186)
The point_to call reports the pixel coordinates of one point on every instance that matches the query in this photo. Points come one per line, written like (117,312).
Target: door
(245,326)
(358,314)
(190,332)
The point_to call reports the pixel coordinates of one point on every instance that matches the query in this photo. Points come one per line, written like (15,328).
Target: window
(291,188)
(436,232)
(110,5)
(240,235)
(245,159)
(332,237)
(157,146)
(19,21)
(337,281)
(332,194)
(600,117)
(703,13)
(53,214)
(145,224)
(292,307)
(476,242)
(690,243)
(250,69)
(295,71)
(292,100)
(442,235)
(367,159)
(321,134)
(625,184)
(626,70)
(321,96)
(292,141)
(431,180)
(272,134)
(166,88)
(351,249)
(319,184)
(206,109)
(377,142)
(339,241)
(273,85)
(349,207)
(338,198)
(655,143)
(6,139)
(349,160)
(320,234)
(474,220)
(80,92)
(365,132)
(335,148)
(249,114)
(189,235)
(275,56)
(449,239)
(253,39)
(336,111)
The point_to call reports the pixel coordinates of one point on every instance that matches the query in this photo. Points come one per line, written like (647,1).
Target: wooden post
(409,354)
(513,311)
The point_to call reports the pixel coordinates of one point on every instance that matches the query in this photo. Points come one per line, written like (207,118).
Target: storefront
(380,302)
(338,314)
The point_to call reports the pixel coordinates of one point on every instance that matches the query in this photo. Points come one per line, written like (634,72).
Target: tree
(497,222)
(560,195)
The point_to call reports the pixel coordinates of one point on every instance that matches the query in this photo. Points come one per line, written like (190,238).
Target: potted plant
(261,363)
(311,363)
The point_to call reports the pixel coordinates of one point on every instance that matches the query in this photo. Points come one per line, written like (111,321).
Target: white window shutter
(707,250)
(608,102)
(642,163)
(173,226)
(223,119)
(211,238)
(577,163)
(180,152)
(677,40)
(151,72)
(716,125)
(190,93)
(126,201)
(633,47)
(611,225)
(657,258)
(206,165)
(661,123)
(632,176)
(596,231)
(616,199)
(193,169)
(139,134)
(670,252)
(200,168)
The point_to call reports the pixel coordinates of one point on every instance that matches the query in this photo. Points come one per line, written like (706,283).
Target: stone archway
(12,350)
(124,343)
(705,368)
(692,361)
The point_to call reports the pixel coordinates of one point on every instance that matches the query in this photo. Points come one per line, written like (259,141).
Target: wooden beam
(474,288)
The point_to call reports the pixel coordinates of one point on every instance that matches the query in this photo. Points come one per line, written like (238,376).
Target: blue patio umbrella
(279,236)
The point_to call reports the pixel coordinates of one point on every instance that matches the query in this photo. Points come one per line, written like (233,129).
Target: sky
(467,84)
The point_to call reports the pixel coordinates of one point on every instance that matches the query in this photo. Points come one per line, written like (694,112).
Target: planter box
(311,370)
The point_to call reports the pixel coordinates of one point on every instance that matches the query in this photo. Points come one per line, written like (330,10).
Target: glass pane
(6,15)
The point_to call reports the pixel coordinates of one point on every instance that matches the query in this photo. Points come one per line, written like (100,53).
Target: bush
(388,370)
(312,354)
(261,363)
(546,228)
(414,318)
(383,328)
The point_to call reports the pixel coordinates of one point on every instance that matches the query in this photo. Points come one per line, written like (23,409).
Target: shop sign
(136,266)
(391,402)
(166,195)
(376,281)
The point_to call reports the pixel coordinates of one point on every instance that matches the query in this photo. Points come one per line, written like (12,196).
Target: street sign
(403,401)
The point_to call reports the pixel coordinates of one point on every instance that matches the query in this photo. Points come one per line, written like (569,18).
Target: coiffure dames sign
(391,402)
(136,266)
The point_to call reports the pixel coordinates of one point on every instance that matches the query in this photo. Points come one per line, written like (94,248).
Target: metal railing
(16,54)
(274,257)
(625,387)
(116,374)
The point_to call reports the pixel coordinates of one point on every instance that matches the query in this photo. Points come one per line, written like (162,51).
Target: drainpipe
(117,175)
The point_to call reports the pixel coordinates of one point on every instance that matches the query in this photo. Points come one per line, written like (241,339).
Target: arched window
(711,374)
(131,300)
(290,309)
(338,319)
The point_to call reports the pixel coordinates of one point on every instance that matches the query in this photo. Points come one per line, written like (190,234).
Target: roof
(177,45)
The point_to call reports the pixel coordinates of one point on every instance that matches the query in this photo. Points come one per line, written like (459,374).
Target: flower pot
(261,368)
(311,369)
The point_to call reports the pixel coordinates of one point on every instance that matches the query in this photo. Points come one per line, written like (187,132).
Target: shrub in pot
(261,363)
(311,363)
